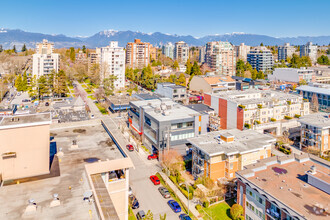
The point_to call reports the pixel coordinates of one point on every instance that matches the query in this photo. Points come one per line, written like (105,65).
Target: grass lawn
(131,215)
(91,97)
(218,211)
(102,109)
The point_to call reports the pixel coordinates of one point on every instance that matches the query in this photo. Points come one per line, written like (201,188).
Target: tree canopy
(323,60)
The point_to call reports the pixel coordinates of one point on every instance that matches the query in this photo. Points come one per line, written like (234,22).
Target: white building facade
(285,51)
(309,50)
(181,52)
(112,62)
(168,50)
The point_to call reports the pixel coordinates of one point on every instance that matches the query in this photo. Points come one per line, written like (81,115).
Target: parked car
(155,180)
(130,192)
(140,215)
(130,147)
(152,156)
(134,202)
(174,206)
(47,104)
(184,217)
(165,193)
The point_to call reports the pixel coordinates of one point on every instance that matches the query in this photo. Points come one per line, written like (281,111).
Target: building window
(231,166)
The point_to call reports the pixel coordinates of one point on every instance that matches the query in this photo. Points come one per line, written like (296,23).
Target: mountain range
(11,37)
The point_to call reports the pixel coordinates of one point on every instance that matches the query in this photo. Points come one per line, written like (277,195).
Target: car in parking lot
(174,206)
(130,147)
(47,104)
(184,217)
(152,156)
(140,215)
(154,179)
(165,193)
(134,202)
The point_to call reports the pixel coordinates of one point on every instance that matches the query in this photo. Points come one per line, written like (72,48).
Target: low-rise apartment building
(292,75)
(321,94)
(162,120)
(260,58)
(315,131)
(219,154)
(241,108)
(212,84)
(24,146)
(286,187)
(170,90)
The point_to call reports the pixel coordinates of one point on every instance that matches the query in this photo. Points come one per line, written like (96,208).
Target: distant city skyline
(73,18)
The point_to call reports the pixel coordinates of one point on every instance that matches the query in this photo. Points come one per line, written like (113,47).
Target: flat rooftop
(244,141)
(285,179)
(121,99)
(201,108)
(27,119)
(320,120)
(313,89)
(173,110)
(93,144)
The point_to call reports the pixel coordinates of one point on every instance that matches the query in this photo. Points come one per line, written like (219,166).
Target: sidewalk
(183,199)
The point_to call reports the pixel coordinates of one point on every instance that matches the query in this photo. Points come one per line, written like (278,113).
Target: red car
(130,147)
(152,156)
(155,180)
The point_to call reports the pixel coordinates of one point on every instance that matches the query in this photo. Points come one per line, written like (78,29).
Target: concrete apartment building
(221,57)
(212,84)
(112,62)
(44,60)
(154,119)
(322,94)
(292,75)
(202,53)
(170,90)
(181,52)
(219,154)
(241,51)
(285,187)
(260,58)
(138,54)
(24,146)
(237,108)
(168,50)
(285,51)
(315,131)
(309,50)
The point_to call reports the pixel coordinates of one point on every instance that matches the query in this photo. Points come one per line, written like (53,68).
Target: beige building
(138,54)
(24,146)
(241,51)
(181,52)
(219,154)
(212,84)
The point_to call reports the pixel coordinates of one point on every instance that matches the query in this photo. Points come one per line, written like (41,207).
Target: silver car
(165,193)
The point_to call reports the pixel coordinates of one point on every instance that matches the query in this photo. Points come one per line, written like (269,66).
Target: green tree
(72,54)
(181,80)
(248,67)
(24,48)
(261,44)
(108,85)
(32,89)
(236,211)
(147,78)
(43,86)
(24,82)
(323,60)
(18,83)
(188,67)
(175,65)
(260,75)
(162,217)
(14,49)
(84,49)
(240,68)
(254,74)
(172,78)
(195,70)
(149,216)
(59,84)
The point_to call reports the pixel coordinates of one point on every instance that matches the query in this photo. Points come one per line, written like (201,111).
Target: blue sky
(198,18)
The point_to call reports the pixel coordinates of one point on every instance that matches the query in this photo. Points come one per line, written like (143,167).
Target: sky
(277,18)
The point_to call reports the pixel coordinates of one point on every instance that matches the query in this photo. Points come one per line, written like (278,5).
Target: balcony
(275,213)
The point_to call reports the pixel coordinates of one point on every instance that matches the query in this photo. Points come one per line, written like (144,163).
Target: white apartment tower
(309,50)
(168,50)
(44,60)
(112,62)
(221,57)
(285,51)
(181,52)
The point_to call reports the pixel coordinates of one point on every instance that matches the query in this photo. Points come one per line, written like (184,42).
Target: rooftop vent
(312,170)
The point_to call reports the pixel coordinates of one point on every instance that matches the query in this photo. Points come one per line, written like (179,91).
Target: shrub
(297,116)
(241,106)
(289,102)
(257,122)
(306,100)
(198,207)
(248,126)
(173,178)
(206,204)
(287,117)
(272,119)
(236,211)
(260,106)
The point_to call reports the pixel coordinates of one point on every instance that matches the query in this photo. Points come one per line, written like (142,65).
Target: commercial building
(322,95)
(219,154)
(24,146)
(292,75)
(138,54)
(245,108)
(211,84)
(309,50)
(285,51)
(44,60)
(154,119)
(260,58)
(241,51)
(315,131)
(286,187)
(221,57)
(168,50)
(181,52)
(170,90)
(112,62)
